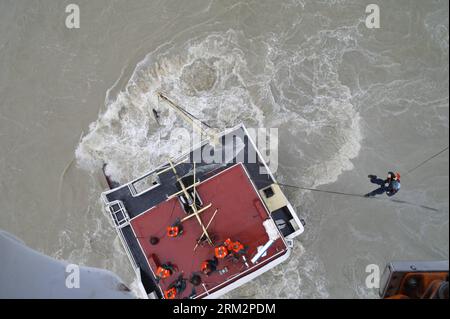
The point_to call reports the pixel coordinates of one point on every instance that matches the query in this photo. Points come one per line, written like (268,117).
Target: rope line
(398,201)
(427,160)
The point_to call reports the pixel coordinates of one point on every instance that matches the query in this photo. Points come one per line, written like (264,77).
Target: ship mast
(212,136)
(195,212)
(199,125)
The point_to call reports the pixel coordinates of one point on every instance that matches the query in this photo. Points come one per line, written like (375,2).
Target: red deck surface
(240,217)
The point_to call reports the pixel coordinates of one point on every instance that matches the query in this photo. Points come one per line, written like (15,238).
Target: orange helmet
(397,175)
(163,273)
(170,293)
(221,252)
(172,231)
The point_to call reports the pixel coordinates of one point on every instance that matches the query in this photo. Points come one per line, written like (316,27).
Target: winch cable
(399,201)
(320,190)
(359,195)
(425,161)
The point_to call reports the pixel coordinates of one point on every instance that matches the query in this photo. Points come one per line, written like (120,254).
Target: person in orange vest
(234,247)
(175,230)
(170,293)
(227,242)
(209,266)
(237,248)
(179,285)
(221,252)
(164,271)
(175,288)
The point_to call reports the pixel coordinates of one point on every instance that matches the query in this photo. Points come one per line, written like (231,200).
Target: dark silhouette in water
(156,115)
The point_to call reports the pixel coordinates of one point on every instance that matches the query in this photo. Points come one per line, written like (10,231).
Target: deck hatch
(118,213)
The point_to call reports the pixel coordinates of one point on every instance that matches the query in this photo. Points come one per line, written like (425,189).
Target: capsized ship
(197,228)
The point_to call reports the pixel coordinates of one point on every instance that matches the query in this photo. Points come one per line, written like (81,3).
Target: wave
(216,77)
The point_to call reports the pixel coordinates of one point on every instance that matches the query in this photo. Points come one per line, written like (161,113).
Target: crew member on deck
(179,284)
(164,271)
(176,288)
(170,293)
(209,266)
(235,247)
(175,230)
(221,252)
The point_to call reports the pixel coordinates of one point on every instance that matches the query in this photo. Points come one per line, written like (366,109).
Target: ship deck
(140,209)
(248,156)
(240,216)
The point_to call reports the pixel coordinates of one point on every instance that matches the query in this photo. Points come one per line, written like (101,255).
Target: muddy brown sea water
(348,101)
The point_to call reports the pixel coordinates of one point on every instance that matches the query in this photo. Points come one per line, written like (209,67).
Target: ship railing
(143,184)
(119,232)
(127,250)
(118,213)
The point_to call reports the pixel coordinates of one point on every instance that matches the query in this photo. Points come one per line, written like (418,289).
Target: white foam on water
(210,76)
(202,76)
(320,112)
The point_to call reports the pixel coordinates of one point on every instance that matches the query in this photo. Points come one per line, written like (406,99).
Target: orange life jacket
(205,266)
(221,252)
(163,273)
(236,247)
(172,231)
(227,243)
(170,293)
(233,246)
